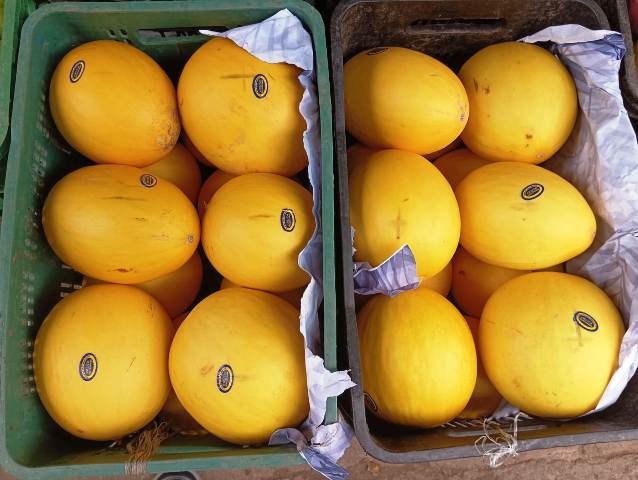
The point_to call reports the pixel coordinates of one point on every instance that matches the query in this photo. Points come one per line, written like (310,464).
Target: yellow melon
(237,365)
(180,168)
(293,297)
(225,283)
(441,282)
(100,361)
(193,149)
(178,320)
(114,104)
(474,281)
(175,290)
(242,113)
(178,419)
(522,216)
(210,186)
(118,224)
(173,412)
(254,229)
(360,301)
(399,198)
(456,165)
(485,398)
(523,103)
(451,147)
(417,357)
(399,98)
(356,154)
(549,343)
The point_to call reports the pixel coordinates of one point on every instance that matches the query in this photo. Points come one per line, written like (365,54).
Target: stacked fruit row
(108,358)
(487,222)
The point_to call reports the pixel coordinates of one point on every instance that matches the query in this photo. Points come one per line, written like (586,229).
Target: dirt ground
(611,461)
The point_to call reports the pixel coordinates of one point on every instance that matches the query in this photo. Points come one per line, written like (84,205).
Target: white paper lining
(282,38)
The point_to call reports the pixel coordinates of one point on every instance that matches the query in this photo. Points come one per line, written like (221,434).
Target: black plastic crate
(450,30)
(618,16)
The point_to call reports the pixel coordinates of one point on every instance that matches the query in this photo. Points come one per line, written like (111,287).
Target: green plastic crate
(32,279)
(14,14)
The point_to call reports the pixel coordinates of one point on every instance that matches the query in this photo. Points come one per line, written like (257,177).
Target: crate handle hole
(111,33)
(426,25)
(150,34)
(216,28)
(123,32)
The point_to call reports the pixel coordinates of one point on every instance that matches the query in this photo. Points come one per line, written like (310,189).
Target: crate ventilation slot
(177,32)
(456,25)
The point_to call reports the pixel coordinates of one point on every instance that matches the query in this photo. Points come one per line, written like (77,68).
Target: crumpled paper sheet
(397,274)
(282,38)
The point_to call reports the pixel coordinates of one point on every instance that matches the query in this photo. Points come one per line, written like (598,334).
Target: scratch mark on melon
(399,223)
(167,141)
(235,75)
(131,364)
(121,197)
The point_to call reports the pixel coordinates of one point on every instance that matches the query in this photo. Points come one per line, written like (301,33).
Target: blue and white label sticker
(288,219)
(76,71)
(225,378)
(585,321)
(260,85)
(88,367)
(532,191)
(147,180)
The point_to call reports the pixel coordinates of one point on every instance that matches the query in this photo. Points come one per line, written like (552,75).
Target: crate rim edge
(9,16)
(288,454)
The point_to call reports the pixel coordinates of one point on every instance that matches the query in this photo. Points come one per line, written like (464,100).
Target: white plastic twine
(496,444)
